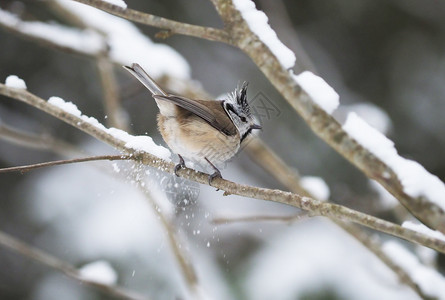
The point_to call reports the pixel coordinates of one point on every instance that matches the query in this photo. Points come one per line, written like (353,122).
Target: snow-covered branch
(247,26)
(143,149)
(27,168)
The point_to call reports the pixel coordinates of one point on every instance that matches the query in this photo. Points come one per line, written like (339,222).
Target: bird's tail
(145,79)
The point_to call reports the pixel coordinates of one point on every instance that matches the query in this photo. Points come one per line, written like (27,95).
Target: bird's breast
(194,139)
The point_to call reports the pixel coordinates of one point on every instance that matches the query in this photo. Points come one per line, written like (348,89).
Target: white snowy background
(93,216)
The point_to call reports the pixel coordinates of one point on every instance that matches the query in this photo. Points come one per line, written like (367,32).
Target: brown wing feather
(210,111)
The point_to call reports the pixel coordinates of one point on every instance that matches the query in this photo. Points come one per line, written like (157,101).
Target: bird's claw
(181,165)
(216,174)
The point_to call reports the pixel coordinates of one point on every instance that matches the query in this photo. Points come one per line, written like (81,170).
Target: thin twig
(185,265)
(260,218)
(27,168)
(315,207)
(278,15)
(113,110)
(173,27)
(64,267)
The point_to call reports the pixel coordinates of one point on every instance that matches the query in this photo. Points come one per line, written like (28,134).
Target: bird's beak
(256,126)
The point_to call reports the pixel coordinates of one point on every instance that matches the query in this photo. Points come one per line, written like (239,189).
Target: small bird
(203,131)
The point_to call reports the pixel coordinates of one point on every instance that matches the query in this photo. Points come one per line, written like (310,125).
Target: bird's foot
(215,174)
(181,165)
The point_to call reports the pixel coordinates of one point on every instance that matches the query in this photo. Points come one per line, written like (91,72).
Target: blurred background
(386,59)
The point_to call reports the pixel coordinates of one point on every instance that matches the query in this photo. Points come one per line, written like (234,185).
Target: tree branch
(260,218)
(185,265)
(315,207)
(64,267)
(173,27)
(114,113)
(27,168)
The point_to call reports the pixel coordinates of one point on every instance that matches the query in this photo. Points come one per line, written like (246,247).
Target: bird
(202,131)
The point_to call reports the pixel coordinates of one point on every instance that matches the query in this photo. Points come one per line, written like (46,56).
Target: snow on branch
(319,90)
(258,23)
(99,271)
(316,186)
(415,179)
(15,82)
(68,112)
(138,143)
(423,229)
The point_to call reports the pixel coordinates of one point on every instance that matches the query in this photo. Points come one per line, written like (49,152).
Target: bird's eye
(243,119)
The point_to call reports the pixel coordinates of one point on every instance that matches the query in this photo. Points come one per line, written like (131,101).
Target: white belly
(198,141)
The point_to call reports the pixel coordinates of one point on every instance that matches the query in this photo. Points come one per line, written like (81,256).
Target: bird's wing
(216,117)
